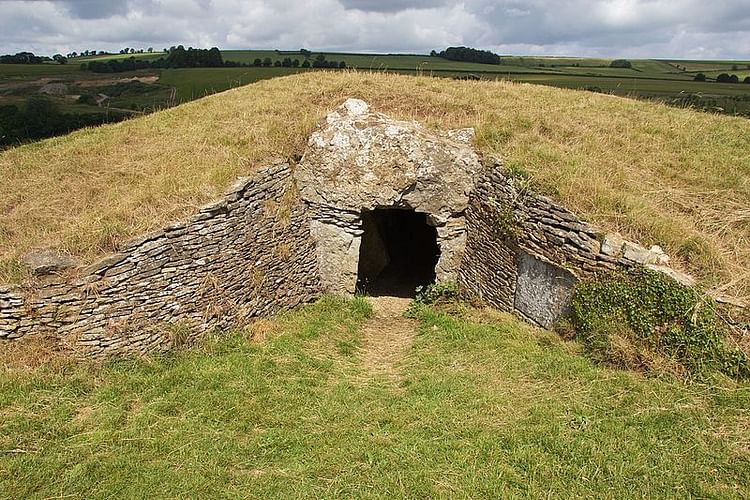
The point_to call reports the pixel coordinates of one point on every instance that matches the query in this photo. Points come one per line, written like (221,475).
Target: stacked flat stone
(243,256)
(264,247)
(525,252)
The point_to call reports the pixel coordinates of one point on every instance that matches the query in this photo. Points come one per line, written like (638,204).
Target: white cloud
(630,28)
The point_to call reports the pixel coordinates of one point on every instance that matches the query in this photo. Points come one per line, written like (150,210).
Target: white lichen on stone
(362,160)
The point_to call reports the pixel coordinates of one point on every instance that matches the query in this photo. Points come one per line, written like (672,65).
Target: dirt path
(386,338)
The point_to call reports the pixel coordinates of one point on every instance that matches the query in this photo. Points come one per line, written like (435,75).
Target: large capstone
(359,161)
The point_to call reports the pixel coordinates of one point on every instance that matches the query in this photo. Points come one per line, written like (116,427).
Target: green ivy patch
(644,319)
(432,294)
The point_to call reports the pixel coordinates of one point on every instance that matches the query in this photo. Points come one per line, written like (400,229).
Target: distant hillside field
(661,175)
(84,97)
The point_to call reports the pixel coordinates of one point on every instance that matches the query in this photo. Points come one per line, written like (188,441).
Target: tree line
(30,58)
(722,78)
(40,117)
(467,54)
(179,57)
(319,62)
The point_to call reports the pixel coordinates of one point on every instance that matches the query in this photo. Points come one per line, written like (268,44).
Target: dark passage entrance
(398,253)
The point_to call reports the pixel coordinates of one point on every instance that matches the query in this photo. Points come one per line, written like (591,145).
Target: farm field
(28,71)
(192,83)
(475,404)
(72,91)
(637,85)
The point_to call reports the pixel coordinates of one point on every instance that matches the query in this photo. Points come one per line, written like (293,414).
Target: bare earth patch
(386,337)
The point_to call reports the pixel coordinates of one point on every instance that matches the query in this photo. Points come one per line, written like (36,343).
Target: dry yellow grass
(659,175)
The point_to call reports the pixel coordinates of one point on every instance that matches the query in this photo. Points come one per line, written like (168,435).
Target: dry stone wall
(265,247)
(524,252)
(249,254)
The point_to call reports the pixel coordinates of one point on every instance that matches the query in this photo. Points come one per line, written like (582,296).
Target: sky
(686,29)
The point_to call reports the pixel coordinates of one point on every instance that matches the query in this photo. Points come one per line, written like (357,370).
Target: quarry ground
(350,398)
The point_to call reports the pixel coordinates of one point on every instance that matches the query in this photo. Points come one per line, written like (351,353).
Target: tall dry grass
(674,177)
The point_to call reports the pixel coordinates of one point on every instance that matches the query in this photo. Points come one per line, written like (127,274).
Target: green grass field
(636,86)
(192,83)
(108,57)
(27,71)
(668,80)
(479,406)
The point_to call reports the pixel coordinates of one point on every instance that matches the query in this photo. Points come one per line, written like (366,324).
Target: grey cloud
(96,9)
(608,28)
(391,5)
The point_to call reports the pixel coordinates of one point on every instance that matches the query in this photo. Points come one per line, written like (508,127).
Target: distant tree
(700,77)
(267,62)
(150,50)
(727,78)
(212,58)
(342,65)
(433,53)
(257,62)
(22,58)
(305,63)
(621,63)
(287,62)
(746,80)
(467,54)
(305,53)
(60,59)
(277,63)
(295,63)
(320,61)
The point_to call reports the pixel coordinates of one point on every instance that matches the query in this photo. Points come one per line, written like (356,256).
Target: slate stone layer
(508,226)
(247,255)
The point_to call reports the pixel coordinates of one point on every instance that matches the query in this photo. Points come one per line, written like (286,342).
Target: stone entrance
(359,163)
(398,252)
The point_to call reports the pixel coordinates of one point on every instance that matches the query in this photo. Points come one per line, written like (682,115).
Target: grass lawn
(482,406)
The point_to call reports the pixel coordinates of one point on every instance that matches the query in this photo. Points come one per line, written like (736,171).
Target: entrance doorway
(398,252)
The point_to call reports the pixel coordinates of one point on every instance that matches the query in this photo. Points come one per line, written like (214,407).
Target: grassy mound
(657,174)
(484,406)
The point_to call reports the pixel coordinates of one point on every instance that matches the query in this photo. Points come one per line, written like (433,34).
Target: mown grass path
(483,407)
(386,338)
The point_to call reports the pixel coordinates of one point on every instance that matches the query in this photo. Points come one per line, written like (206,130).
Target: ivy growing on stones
(653,317)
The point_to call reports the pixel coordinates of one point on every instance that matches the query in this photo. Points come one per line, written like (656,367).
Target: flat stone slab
(359,159)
